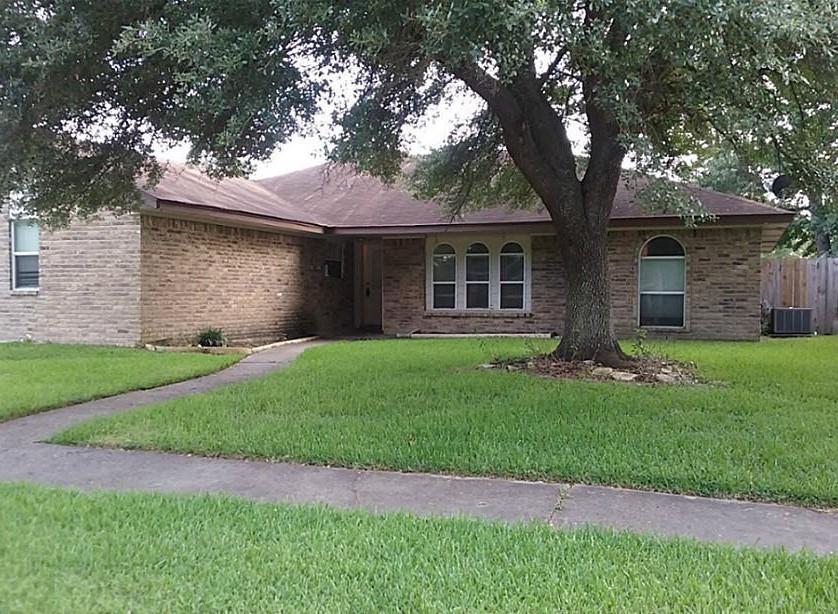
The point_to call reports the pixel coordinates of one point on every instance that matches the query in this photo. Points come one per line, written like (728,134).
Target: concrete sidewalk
(737,522)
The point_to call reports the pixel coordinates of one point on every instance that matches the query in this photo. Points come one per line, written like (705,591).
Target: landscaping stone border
(228,349)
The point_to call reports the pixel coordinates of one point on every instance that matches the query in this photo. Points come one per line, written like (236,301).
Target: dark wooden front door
(368,284)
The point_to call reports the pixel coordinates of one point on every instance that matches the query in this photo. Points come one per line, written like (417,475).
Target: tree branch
(607,153)
(496,95)
(533,134)
(546,128)
(543,77)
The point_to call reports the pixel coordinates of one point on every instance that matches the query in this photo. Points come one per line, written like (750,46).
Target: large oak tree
(88,86)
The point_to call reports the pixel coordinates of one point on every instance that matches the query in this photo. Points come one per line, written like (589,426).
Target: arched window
(477,276)
(478,273)
(444,277)
(662,283)
(512,276)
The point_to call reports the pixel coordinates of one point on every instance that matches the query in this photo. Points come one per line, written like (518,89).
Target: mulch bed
(641,370)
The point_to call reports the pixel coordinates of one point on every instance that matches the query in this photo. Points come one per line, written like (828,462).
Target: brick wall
(259,286)
(723,282)
(89,284)
(722,287)
(256,286)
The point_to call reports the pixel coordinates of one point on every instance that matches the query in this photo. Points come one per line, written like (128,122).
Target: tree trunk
(588,334)
(823,244)
(537,141)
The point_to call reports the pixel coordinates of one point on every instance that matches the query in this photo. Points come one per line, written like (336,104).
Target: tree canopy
(88,87)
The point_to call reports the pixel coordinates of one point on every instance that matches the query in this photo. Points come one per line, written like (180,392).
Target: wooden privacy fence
(804,282)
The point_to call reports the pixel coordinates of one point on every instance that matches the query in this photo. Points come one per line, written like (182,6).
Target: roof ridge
(738,197)
(251,182)
(335,196)
(254,198)
(289,173)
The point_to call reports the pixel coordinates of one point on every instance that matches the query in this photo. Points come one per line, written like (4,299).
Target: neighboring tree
(802,143)
(794,137)
(649,80)
(720,169)
(802,239)
(813,232)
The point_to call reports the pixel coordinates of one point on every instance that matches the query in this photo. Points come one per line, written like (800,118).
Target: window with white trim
(477,276)
(25,243)
(662,283)
(444,277)
(511,276)
(486,273)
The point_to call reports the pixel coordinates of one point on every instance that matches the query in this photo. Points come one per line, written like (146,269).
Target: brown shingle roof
(188,186)
(346,199)
(342,200)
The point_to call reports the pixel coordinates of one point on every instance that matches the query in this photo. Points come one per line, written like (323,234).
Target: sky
(300,152)
(305,151)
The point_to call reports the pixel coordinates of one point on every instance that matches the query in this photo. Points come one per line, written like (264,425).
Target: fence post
(830,294)
(815,299)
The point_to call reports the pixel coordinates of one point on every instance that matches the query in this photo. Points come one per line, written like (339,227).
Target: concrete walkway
(22,458)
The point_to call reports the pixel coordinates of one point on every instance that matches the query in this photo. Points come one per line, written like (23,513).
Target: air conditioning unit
(791,321)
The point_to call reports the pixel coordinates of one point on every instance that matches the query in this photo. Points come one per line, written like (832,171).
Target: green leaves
(664,196)
(87,89)
(472,171)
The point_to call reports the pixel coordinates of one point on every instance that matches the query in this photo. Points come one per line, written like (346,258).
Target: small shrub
(211,338)
(765,318)
(638,343)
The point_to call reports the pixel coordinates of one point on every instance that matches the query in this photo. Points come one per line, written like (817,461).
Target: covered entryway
(368,284)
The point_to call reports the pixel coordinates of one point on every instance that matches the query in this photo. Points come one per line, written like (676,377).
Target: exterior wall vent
(791,321)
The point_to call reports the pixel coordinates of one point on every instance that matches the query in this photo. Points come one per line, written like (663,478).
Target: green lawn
(36,376)
(767,429)
(104,552)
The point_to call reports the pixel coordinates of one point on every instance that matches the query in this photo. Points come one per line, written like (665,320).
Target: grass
(68,551)
(768,429)
(35,377)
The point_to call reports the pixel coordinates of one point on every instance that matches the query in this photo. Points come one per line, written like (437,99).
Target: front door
(368,288)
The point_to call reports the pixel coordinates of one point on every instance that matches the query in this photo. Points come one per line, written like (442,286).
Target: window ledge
(476,313)
(25,292)
(665,328)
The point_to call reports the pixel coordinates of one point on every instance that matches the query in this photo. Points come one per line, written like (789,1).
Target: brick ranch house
(301,254)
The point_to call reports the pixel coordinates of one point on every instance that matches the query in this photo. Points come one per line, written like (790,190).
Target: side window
(512,276)
(333,262)
(662,283)
(25,241)
(444,281)
(333,268)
